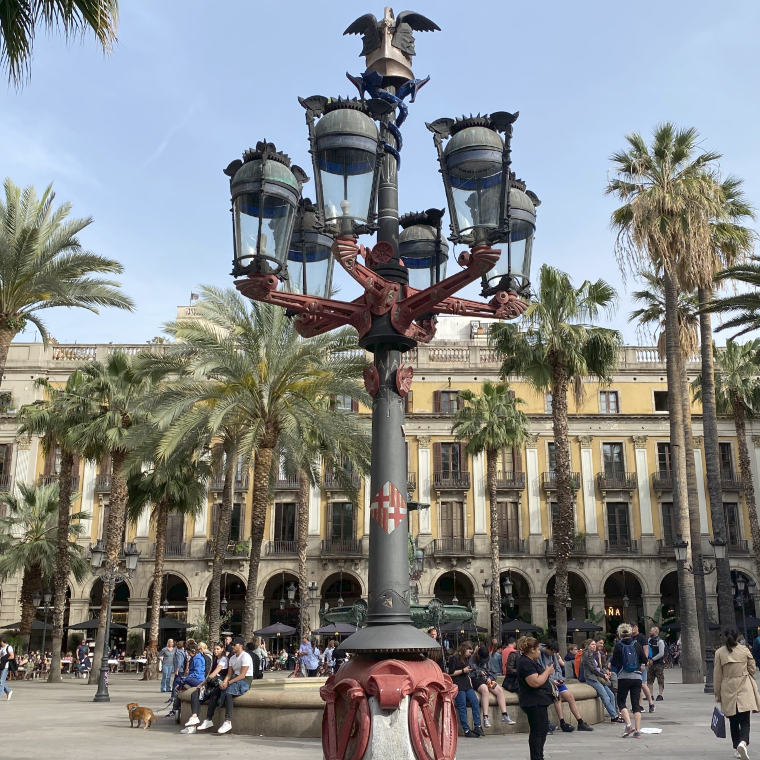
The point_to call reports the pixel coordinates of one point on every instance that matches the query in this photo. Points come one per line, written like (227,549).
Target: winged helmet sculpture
(388,44)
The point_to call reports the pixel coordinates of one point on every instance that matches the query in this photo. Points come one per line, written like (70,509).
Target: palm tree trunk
(261,468)
(691,656)
(7,334)
(726,611)
(745,473)
(563,530)
(114,533)
(491,457)
(61,572)
(30,585)
(162,519)
(302,537)
(695,531)
(220,545)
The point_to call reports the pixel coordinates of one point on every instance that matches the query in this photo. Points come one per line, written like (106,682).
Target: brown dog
(137,713)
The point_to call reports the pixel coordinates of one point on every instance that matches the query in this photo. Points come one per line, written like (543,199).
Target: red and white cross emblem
(388,508)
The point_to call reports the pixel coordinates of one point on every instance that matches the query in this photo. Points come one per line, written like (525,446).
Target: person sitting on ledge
(211,684)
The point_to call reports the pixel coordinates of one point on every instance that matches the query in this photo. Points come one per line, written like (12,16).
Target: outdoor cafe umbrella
(582,625)
(519,627)
(276,630)
(37,625)
(335,629)
(91,625)
(462,628)
(165,623)
(748,622)
(676,626)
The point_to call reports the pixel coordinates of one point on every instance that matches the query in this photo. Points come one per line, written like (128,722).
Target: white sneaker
(189,730)
(194,721)
(9,695)
(741,749)
(486,722)
(206,724)
(506,719)
(225,727)
(736,753)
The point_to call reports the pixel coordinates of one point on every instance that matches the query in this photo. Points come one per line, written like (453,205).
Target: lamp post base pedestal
(380,709)
(709,665)
(102,693)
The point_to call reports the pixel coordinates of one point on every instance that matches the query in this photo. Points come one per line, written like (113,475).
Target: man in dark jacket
(642,640)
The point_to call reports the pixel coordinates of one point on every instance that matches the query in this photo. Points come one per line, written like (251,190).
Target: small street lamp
(487,587)
(681,548)
(507,585)
(44,602)
(111,574)
(422,247)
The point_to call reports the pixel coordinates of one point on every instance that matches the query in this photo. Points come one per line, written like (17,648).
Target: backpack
(756,649)
(630,658)
(510,682)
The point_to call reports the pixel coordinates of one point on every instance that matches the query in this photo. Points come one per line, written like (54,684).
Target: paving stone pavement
(61,722)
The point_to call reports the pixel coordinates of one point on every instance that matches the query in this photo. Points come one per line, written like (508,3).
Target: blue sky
(139,140)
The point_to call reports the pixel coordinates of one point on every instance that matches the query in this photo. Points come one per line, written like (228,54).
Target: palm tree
(43,264)
(115,393)
(246,366)
(28,544)
(651,318)
(746,304)
(556,348)
(737,393)
(53,419)
(489,422)
(178,485)
(669,198)
(19,21)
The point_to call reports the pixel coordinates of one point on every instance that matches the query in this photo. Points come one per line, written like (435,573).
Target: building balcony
(510,481)
(578,547)
(290,483)
(450,479)
(729,481)
(281,548)
(511,546)
(411,481)
(103,483)
(452,547)
(6,483)
(621,546)
(616,481)
(235,550)
(665,548)
(662,481)
(344,547)
(240,485)
(739,546)
(46,480)
(331,482)
(172,549)
(549,481)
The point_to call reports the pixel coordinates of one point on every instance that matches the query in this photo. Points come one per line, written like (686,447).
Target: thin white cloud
(173,131)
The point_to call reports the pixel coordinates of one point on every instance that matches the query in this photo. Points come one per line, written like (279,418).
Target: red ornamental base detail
(346,723)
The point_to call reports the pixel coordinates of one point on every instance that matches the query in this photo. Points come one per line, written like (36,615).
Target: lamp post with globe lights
(110,574)
(721,551)
(44,602)
(285,251)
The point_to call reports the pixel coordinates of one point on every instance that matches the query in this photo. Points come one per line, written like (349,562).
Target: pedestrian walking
(166,655)
(735,689)
(535,693)
(656,663)
(459,670)
(642,640)
(6,656)
(308,658)
(629,661)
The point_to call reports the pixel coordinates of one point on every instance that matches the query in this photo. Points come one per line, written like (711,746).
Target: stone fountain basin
(292,707)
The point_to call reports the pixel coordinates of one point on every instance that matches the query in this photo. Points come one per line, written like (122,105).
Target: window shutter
(406,448)
(242,520)
(460,402)
(512,395)
(437,402)
(214,520)
(517,458)
(354,405)
(75,466)
(174,528)
(463,465)
(49,467)
(329,526)
(408,403)
(437,459)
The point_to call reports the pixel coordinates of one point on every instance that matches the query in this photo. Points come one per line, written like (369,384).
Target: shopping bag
(718,724)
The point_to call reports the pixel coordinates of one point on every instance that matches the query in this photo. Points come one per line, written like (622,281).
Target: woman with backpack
(629,661)
(735,689)
(595,677)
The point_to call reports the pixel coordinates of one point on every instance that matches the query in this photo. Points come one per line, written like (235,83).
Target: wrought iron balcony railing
(453,547)
(344,547)
(511,545)
(549,480)
(578,547)
(616,481)
(621,546)
(508,480)
(662,481)
(451,479)
(288,548)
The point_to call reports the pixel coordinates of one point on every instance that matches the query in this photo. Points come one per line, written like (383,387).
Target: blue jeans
(607,697)
(166,677)
(461,699)
(3,676)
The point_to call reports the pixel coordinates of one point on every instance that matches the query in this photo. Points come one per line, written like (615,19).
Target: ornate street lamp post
(43,601)
(111,574)
(355,145)
(721,550)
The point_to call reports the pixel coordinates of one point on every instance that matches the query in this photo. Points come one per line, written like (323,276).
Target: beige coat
(734,678)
